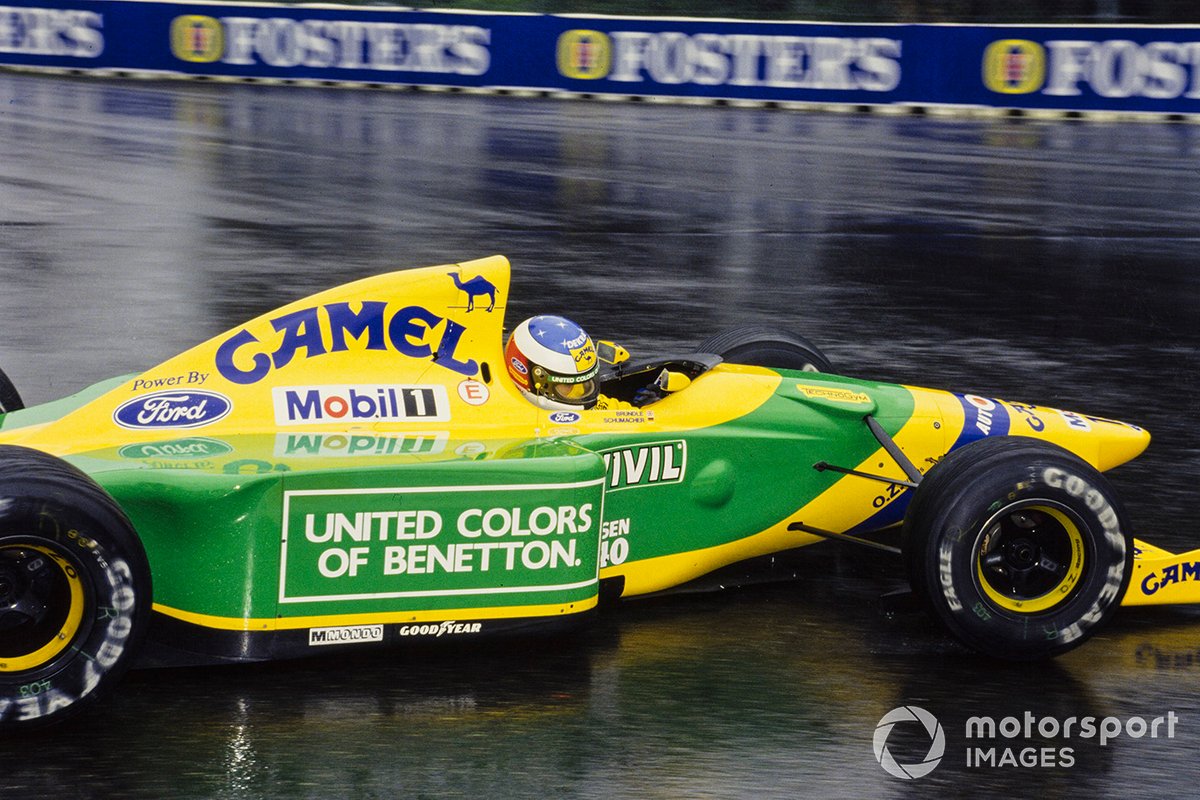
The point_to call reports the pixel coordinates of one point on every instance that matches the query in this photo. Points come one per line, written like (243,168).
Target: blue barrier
(1087,68)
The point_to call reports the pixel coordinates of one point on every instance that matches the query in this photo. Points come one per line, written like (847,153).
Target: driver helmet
(553,361)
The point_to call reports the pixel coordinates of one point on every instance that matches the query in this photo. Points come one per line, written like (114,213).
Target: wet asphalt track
(1048,262)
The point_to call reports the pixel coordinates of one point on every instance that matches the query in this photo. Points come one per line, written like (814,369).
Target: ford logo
(190,409)
(564,417)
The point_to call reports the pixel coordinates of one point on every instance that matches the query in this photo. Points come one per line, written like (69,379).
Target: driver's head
(553,361)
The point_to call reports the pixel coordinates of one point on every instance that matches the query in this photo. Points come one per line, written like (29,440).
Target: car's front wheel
(74,590)
(1020,548)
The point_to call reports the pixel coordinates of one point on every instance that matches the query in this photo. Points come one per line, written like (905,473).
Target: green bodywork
(370,456)
(245,527)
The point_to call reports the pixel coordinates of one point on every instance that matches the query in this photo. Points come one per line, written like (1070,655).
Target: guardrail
(1080,70)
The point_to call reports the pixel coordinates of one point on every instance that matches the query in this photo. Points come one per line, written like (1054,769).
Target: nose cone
(1120,443)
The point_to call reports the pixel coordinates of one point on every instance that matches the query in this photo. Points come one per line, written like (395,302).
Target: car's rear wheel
(1019,548)
(74,590)
(10,398)
(761,346)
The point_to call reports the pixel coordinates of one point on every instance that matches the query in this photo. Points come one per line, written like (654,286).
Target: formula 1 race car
(358,468)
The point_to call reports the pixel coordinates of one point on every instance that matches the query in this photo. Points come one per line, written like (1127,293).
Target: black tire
(760,346)
(10,398)
(74,590)
(1021,549)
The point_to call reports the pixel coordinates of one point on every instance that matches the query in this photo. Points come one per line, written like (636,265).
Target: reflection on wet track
(1048,262)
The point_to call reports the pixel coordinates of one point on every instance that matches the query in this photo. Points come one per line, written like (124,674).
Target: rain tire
(760,346)
(75,593)
(10,398)
(1019,548)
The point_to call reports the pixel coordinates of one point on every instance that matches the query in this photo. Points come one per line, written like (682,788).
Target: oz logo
(937,742)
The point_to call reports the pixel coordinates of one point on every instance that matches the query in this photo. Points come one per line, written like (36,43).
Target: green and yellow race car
(373,466)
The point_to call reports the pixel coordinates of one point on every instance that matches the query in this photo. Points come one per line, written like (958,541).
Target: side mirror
(611,353)
(668,381)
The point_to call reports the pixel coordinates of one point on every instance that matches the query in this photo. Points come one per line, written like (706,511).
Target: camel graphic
(475,287)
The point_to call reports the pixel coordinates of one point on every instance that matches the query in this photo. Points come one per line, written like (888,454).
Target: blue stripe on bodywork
(982,417)
(980,421)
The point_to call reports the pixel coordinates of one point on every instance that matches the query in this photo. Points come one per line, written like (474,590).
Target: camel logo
(1014,66)
(197,39)
(585,357)
(937,742)
(478,286)
(584,55)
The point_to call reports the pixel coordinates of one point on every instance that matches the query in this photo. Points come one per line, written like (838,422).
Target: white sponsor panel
(444,541)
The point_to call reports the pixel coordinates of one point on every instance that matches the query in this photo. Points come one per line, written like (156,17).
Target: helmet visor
(576,393)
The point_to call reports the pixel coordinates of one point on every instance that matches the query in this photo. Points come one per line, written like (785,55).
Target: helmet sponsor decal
(585,357)
(587,376)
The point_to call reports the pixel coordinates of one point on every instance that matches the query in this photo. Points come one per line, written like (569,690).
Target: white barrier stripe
(883,109)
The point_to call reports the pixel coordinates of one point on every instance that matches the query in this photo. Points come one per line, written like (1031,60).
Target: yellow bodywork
(429,315)
(1163,578)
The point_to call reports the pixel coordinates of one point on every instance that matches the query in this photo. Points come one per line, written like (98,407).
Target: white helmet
(553,361)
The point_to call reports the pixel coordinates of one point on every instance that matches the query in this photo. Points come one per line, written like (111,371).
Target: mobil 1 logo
(298,405)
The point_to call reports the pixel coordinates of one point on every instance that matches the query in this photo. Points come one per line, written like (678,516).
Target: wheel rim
(41,605)
(1030,556)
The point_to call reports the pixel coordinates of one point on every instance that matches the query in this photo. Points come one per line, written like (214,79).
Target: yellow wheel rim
(1031,557)
(60,639)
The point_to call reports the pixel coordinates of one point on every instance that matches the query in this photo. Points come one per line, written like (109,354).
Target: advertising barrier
(1064,68)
